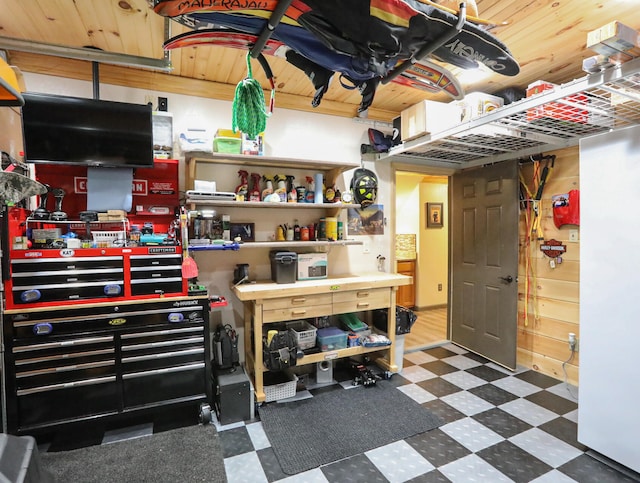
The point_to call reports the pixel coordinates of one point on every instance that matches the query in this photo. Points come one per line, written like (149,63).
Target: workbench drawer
(297,301)
(294,313)
(359,300)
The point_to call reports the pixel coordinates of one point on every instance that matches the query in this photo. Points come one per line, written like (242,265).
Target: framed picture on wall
(243,230)
(434,215)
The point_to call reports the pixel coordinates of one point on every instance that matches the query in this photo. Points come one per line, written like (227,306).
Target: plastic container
(305,333)
(108,238)
(20,460)
(331,338)
(332,228)
(279,385)
(284,266)
(227,145)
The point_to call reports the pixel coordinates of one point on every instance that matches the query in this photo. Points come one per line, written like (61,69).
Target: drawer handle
(362,294)
(299,300)
(362,304)
(298,312)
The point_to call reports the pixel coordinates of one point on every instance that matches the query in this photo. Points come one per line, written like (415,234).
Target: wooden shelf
(264,204)
(273,244)
(338,354)
(277,162)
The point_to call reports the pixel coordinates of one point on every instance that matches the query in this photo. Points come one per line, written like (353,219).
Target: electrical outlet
(366,247)
(573,342)
(439,287)
(573,236)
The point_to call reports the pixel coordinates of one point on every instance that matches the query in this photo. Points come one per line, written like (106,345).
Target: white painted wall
(433,247)
(289,134)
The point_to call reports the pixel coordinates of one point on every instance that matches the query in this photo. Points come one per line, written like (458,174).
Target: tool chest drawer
(159,286)
(359,300)
(27,294)
(145,262)
(40,324)
(46,266)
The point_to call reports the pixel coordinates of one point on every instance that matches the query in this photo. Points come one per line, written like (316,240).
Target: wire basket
(280,390)
(109,238)
(305,334)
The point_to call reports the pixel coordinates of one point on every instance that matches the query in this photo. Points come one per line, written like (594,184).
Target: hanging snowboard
(423,75)
(385,34)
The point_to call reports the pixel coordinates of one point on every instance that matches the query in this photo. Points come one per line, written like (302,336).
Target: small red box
(557,110)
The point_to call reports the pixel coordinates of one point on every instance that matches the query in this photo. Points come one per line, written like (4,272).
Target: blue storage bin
(331,338)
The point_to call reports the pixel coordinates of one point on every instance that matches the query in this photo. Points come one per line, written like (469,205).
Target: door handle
(508,279)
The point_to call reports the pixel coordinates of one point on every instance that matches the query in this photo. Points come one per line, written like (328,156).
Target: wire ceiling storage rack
(554,119)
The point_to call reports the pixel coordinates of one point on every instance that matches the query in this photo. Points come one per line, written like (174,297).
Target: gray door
(484,261)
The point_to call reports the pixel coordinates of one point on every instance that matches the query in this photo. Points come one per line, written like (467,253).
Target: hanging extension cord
(564,368)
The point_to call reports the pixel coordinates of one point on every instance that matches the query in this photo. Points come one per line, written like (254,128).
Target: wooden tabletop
(268,289)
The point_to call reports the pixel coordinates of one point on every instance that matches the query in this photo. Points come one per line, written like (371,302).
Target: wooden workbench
(268,302)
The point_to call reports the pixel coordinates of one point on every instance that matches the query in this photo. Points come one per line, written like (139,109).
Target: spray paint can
(322,229)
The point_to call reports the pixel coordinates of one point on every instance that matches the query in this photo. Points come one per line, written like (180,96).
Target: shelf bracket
(430,47)
(268,29)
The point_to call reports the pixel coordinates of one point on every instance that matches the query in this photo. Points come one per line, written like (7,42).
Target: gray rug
(331,426)
(187,454)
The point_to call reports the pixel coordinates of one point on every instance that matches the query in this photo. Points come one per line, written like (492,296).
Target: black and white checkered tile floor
(499,426)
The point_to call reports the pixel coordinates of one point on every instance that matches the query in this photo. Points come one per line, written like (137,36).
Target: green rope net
(249,110)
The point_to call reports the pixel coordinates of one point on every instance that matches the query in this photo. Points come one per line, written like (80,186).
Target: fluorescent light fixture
(84,53)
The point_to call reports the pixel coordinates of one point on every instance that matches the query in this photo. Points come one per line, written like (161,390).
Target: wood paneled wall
(552,307)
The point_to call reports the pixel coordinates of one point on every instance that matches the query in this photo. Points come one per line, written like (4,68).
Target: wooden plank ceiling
(547,37)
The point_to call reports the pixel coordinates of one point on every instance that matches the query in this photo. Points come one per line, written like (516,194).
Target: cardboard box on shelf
(615,40)
(557,110)
(476,104)
(253,146)
(196,139)
(428,117)
(312,266)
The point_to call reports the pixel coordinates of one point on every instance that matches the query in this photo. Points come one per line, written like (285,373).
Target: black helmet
(364,186)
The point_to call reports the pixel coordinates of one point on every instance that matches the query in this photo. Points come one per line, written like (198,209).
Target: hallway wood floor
(429,329)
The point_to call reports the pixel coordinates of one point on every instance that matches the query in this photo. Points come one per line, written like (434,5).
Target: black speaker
(163,104)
